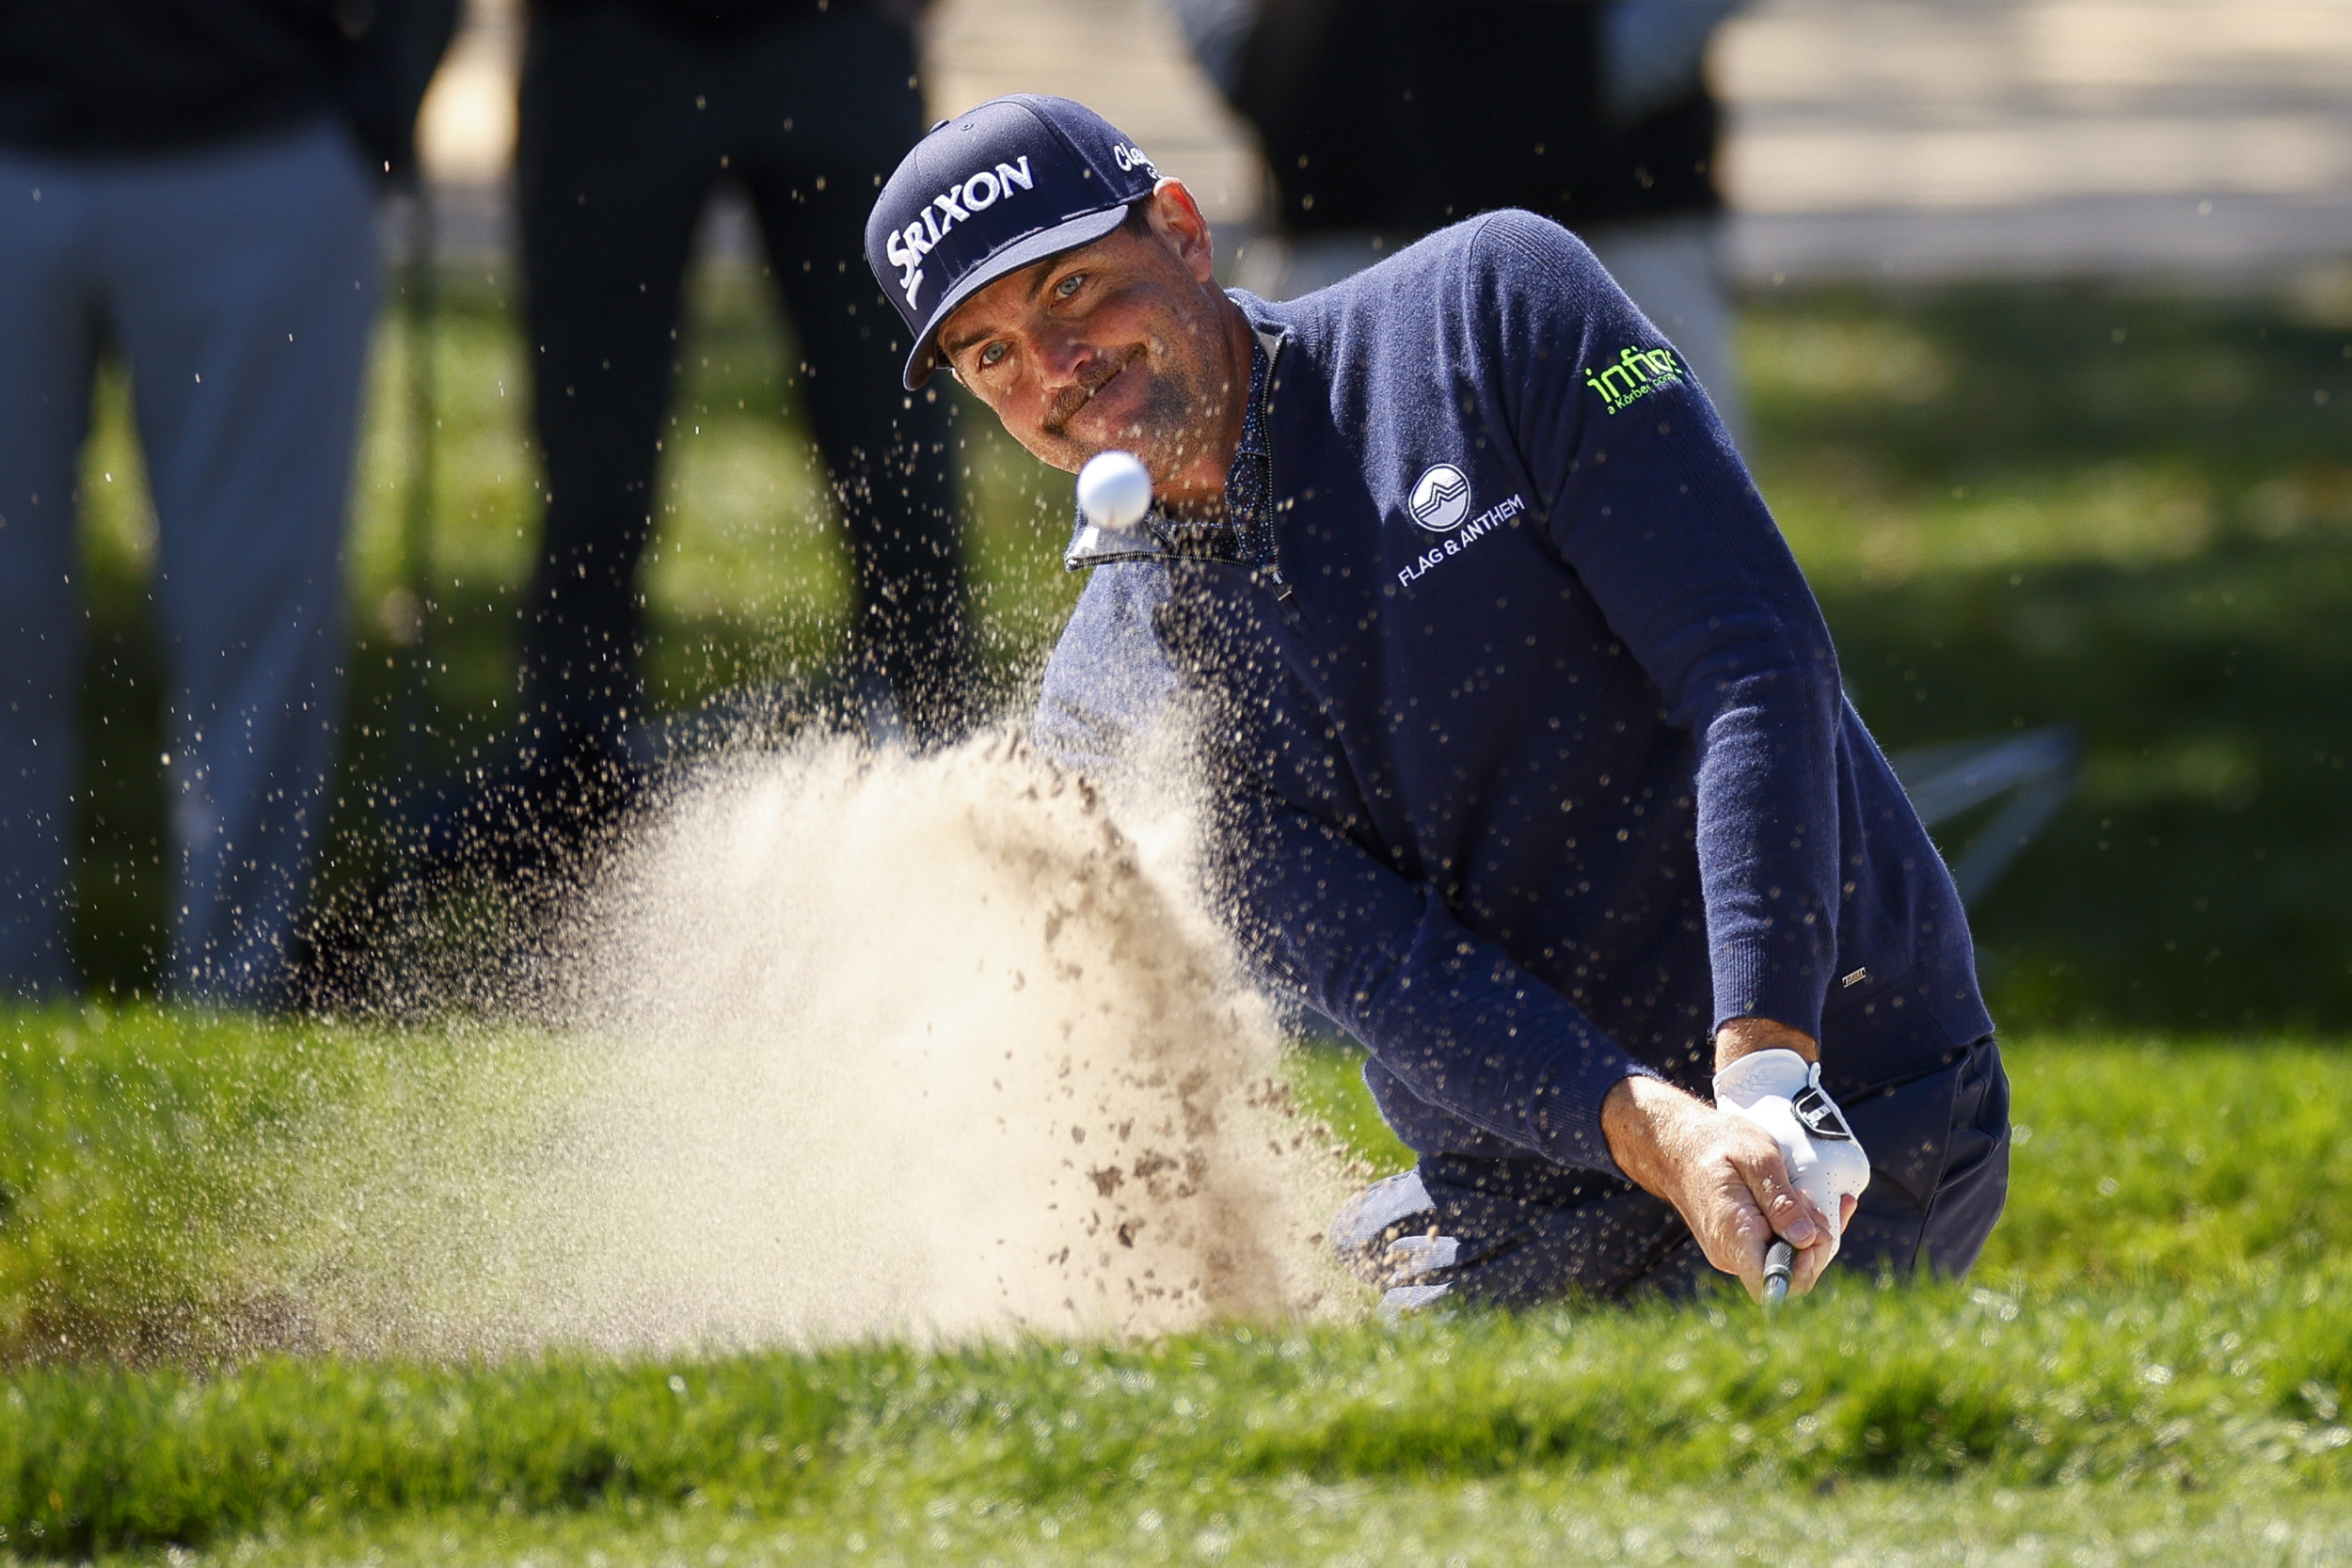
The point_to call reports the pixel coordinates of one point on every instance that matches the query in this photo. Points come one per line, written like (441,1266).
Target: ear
(1176,219)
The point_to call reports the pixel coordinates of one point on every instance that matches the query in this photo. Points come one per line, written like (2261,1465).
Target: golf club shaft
(1780,1259)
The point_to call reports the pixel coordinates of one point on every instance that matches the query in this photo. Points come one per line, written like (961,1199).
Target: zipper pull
(1285,597)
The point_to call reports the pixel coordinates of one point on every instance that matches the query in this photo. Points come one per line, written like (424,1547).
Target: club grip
(1780,1260)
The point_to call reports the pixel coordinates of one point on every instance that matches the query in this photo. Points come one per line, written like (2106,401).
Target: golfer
(1525,754)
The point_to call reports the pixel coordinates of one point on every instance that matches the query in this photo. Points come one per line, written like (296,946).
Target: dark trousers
(1515,1232)
(626,125)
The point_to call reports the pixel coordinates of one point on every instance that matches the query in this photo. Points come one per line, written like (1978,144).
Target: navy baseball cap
(1009,184)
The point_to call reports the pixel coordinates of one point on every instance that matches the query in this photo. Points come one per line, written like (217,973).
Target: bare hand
(1724,1175)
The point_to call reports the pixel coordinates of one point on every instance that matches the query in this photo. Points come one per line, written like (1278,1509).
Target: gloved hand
(1781,1092)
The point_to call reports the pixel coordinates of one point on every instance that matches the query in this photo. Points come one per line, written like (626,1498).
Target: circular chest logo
(1440,498)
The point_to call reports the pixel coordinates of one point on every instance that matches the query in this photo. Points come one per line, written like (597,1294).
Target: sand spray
(856,1044)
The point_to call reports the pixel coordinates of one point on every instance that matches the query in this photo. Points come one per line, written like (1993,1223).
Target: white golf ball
(1113,490)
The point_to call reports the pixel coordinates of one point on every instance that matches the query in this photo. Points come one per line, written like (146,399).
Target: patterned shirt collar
(1245,533)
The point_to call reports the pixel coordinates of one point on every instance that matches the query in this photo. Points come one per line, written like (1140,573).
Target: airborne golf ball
(1113,490)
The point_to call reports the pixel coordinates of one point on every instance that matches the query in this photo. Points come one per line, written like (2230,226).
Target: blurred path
(1973,137)
(1905,138)
(1124,58)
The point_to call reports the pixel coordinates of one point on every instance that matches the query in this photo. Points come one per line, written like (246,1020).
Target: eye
(1068,288)
(992,356)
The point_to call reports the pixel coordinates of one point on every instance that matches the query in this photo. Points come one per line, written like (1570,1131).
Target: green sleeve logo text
(1638,372)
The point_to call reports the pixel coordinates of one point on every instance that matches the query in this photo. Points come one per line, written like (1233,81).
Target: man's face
(1121,344)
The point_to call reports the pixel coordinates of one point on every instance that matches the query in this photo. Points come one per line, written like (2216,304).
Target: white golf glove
(1781,1092)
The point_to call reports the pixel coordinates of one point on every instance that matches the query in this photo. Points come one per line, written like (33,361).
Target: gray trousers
(1516,1232)
(237,282)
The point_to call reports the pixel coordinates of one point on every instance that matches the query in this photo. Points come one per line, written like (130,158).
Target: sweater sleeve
(1644,497)
(1451,1014)
(1108,686)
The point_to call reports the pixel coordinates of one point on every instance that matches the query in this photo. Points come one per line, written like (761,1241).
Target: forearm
(1645,1120)
(1744,1037)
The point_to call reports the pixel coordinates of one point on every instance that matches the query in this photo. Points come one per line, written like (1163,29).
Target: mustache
(1095,376)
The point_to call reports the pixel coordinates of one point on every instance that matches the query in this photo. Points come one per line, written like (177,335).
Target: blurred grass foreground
(2162,1325)
(2019,505)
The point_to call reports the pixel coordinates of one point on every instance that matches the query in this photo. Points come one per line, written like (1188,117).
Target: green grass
(1531,1518)
(2163,1326)
(164,1174)
(2131,514)
(136,1150)
(2235,1388)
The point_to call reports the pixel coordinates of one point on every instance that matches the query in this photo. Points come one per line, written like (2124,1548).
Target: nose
(1063,353)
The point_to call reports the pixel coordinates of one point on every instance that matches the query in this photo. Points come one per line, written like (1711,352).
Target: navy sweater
(1527,758)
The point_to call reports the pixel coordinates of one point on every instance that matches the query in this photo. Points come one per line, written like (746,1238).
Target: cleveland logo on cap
(909,246)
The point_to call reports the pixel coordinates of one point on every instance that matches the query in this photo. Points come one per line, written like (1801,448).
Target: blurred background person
(1384,121)
(632,114)
(188,184)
